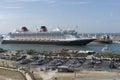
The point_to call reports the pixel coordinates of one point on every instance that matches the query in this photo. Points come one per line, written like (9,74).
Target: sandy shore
(80,74)
(86,74)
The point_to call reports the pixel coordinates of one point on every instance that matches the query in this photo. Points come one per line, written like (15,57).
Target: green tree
(2,50)
(110,55)
(31,52)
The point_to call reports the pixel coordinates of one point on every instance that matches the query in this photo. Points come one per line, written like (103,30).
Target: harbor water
(115,48)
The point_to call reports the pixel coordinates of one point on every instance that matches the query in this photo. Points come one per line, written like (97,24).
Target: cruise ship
(45,37)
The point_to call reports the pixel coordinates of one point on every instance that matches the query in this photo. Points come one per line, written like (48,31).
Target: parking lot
(72,63)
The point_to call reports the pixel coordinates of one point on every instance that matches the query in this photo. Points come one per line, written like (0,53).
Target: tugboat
(45,37)
(105,39)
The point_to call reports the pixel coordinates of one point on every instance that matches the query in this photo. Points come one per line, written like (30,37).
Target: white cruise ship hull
(72,42)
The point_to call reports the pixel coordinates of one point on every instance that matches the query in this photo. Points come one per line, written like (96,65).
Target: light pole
(75,75)
(117,74)
(3,63)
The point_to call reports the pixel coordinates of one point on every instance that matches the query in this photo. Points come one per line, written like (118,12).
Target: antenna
(37,28)
(77,28)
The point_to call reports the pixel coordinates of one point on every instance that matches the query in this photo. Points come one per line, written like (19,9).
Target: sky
(84,16)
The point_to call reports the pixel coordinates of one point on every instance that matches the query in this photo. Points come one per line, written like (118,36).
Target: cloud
(8,16)
(76,2)
(10,7)
(26,1)
(81,3)
(29,0)
(21,0)
(51,1)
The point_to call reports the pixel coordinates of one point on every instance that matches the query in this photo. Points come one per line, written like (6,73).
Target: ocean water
(115,48)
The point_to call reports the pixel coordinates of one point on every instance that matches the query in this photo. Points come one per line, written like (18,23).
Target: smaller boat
(116,42)
(104,39)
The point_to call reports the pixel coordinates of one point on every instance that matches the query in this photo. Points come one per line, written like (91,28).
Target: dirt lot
(10,75)
(86,74)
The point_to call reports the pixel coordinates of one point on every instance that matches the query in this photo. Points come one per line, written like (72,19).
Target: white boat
(116,42)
